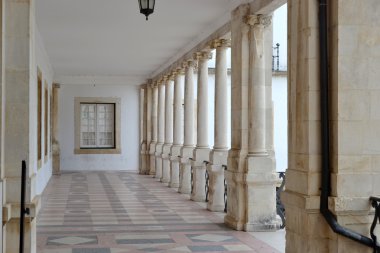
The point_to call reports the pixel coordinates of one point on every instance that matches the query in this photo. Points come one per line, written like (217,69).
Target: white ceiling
(111,37)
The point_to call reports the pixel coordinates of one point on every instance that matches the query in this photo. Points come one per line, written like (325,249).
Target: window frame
(39,118)
(77,114)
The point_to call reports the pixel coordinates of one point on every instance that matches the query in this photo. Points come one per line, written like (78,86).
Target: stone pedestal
(165,177)
(56,155)
(260,187)
(199,172)
(152,158)
(250,209)
(175,166)
(158,156)
(236,213)
(215,170)
(55,143)
(143,159)
(185,170)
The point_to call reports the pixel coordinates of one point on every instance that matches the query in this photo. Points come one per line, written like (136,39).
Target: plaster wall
(129,134)
(41,62)
(279,97)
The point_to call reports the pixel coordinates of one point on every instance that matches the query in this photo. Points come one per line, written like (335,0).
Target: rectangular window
(97,125)
(46,120)
(39,116)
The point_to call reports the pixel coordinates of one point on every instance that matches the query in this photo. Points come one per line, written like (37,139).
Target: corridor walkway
(116,212)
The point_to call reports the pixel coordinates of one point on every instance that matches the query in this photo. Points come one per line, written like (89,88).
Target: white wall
(129,133)
(280,34)
(279,96)
(40,60)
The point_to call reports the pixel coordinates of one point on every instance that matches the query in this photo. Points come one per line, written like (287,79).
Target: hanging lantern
(146,7)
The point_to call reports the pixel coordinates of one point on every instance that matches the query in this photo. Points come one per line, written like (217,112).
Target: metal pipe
(325,136)
(22,206)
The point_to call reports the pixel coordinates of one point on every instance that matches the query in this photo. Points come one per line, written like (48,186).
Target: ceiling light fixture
(146,7)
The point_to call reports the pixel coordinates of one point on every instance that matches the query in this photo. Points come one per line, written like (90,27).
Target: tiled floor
(117,212)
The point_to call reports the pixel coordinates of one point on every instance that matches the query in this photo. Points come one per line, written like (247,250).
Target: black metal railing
(23,210)
(225,190)
(192,179)
(191,176)
(375,202)
(207,181)
(279,205)
(276,56)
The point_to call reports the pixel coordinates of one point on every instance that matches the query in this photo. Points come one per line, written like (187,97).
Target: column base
(152,159)
(165,178)
(185,179)
(185,170)
(175,166)
(174,174)
(166,163)
(216,188)
(143,159)
(158,168)
(158,161)
(199,182)
(271,225)
(233,223)
(152,170)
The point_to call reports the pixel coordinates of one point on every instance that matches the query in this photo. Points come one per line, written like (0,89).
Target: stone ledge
(102,151)
(309,203)
(12,210)
(344,205)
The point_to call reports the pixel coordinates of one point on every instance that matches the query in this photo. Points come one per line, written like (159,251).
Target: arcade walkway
(116,212)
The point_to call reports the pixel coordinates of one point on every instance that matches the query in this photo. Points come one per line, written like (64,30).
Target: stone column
(261,177)
(189,142)
(143,127)
(218,156)
(18,137)
(55,122)
(178,128)
(251,178)
(168,130)
(152,148)
(202,151)
(235,174)
(148,119)
(161,128)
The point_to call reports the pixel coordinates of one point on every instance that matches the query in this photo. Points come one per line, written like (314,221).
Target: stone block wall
(354,42)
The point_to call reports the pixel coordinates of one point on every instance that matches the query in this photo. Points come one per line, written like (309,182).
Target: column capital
(56,85)
(166,78)
(189,63)
(153,84)
(203,55)
(172,75)
(220,43)
(180,70)
(253,20)
(161,81)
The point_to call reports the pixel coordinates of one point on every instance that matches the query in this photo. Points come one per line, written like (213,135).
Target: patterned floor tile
(71,240)
(239,247)
(207,248)
(211,238)
(119,212)
(57,251)
(94,250)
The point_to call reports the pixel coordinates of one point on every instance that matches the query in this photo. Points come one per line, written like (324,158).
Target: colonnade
(179,154)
